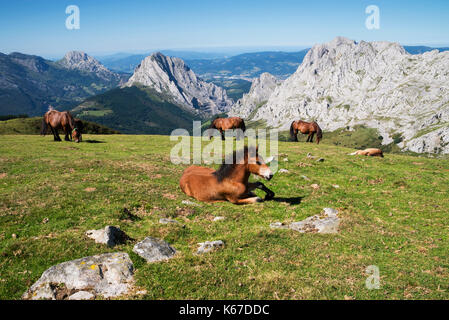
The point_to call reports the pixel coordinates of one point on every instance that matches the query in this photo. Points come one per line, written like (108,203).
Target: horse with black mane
(230,181)
(309,128)
(56,121)
(223,124)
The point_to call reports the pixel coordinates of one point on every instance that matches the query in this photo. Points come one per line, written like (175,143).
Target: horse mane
(230,163)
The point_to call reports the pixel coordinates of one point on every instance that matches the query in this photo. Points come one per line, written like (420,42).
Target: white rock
(154,250)
(110,236)
(209,246)
(167,221)
(326,222)
(108,275)
(218,218)
(82,295)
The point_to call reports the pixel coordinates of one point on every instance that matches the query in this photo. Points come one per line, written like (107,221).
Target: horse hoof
(269,196)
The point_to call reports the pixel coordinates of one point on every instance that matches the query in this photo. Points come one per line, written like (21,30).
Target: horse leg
(55,134)
(311,137)
(308,138)
(259,185)
(58,138)
(244,200)
(66,138)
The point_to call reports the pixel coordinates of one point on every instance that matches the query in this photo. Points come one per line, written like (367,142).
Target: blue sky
(108,26)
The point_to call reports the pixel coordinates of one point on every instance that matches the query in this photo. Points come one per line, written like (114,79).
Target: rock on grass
(110,235)
(326,222)
(167,221)
(154,250)
(107,275)
(209,246)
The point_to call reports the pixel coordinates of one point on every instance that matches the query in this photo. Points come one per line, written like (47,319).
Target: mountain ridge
(29,84)
(172,76)
(343,83)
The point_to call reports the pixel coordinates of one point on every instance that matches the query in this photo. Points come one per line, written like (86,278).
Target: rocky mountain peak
(343,83)
(172,76)
(77,60)
(261,89)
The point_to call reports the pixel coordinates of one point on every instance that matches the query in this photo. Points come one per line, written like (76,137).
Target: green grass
(393,210)
(96,113)
(153,113)
(34,126)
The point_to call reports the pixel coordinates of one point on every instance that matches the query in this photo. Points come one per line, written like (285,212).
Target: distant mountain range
(423,49)
(125,62)
(242,66)
(29,84)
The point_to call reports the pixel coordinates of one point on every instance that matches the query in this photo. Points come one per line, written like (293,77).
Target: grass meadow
(394,213)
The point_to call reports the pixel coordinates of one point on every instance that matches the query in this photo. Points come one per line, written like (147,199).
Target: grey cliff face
(258,95)
(344,83)
(173,77)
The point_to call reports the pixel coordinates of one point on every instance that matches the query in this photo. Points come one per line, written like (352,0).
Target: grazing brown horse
(60,120)
(223,124)
(309,128)
(230,181)
(372,152)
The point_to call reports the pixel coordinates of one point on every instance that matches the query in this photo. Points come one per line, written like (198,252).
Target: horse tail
(44,126)
(292,132)
(319,133)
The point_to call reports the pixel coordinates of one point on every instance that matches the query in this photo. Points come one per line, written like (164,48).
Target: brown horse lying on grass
(309,128)
(372,152)
(230,181)
(61,120)
(223,124)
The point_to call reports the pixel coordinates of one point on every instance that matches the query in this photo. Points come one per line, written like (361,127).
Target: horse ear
(269,159)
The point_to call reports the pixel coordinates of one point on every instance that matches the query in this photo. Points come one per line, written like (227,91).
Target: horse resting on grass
(230,181)
(223,124)
(372,152)
(309,128)
(62,120)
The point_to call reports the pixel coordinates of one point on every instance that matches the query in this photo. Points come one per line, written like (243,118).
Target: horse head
(76,135)
(77,130)
(256,164)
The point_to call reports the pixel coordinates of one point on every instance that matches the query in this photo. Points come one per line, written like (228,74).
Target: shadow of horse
(290,201)
(93,141)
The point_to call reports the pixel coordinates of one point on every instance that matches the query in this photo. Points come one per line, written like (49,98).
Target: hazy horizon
(227,51)
(139,26)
